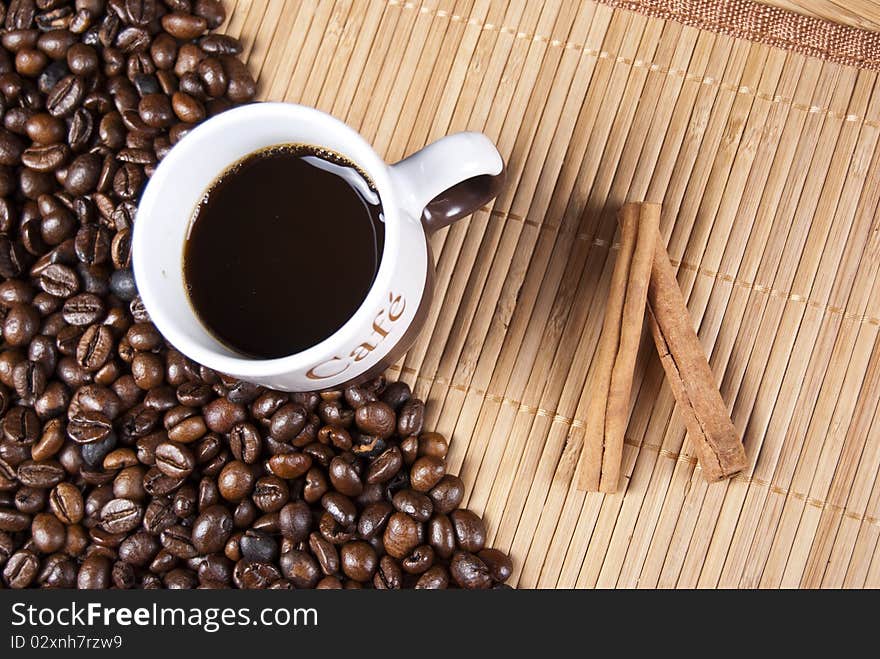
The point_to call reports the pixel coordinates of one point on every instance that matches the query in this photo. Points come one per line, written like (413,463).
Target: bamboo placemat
(768,167)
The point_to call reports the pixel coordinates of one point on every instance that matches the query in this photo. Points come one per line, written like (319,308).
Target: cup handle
(450,178)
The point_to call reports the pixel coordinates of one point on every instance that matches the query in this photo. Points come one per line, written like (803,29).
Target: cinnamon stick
(617,412)
(616,353)
(606,354)
(715,439)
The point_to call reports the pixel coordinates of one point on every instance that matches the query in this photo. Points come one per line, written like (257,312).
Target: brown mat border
(772,26)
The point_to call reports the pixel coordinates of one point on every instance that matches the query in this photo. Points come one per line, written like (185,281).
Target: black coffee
(283,249)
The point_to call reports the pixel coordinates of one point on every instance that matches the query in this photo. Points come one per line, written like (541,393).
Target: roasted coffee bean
(21,323)
(95,347)
(29,380)
(148,370)
(344,477)
(45,158)
(21,569)
(18,40)
(252,575)
(220,44)
(158,517)
(469,571)
(290,465)
(43,128)
(145,336)
(122,285)
(30,500)
(419,560)
(435,578)
(402,535)
(411,418)
(120,250)
(441,535)
(216,569)
(300,568)
(373,519)
(66,96)
(221,415)
(121,516)
(46,474)
(158,484)
(128,180)
(66,502)
(52,439)
(245,442)
(11,148)
(155,110)
(53,401)
(212,11)
(211,529)
(58,571)
(499,564)
(184,26)
(470,532)
(257,546)
(92,244)
(386,466)
(123,576)
(415,504)
(337,437)
(388,575)
(188,430)
(174,460)
(82,60)
(245,514)
(177,540)
(83,309)
(79,135)
(325,553)
(47,533)
(86,427)
(94,572)
(295,521)
(7,546)
(358,560)
(447,494)
(30,62)
(375,418)
(241,88)
(340,507)
(426,472)
(288,421)
(13,521)
(395,395)
(270,494)
(163,562)
(97,398)
(59,280)
(433,444)
(163,50)
(236,481)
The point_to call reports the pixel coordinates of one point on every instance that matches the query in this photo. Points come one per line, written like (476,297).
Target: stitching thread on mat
(862,319)
(708,81)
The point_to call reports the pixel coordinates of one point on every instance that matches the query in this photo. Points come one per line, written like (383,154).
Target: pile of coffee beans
(123,464)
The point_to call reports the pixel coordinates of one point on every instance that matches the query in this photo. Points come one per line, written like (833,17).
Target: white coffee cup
(432,188)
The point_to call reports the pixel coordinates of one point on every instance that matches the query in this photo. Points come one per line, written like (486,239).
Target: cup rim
(151,202)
